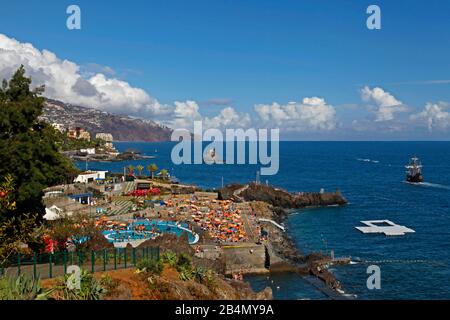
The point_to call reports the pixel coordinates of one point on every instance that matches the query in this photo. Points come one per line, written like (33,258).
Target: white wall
(85,177)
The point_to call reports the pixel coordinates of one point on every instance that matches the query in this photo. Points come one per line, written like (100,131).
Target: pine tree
(28,149)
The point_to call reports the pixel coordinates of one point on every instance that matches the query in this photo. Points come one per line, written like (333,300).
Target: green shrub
(186,273)
(204,276)
(199,274)
(170,258)
(22,287)
(108,283)
(210,280)
(154,267)
(90,288)
(184,262)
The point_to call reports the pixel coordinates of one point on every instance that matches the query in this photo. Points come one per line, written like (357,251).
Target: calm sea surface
(370,175)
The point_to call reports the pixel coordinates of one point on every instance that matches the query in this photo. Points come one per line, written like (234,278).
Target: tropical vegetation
(22,287)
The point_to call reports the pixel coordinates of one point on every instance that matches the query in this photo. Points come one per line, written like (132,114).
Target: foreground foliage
(15,230)
(79,232)
(90,288)
(22,287)
(151,266)
(170,258)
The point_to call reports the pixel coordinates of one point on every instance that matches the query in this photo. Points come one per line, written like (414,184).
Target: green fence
(49,265)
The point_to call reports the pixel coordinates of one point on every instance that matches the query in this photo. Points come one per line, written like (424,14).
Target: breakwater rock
(284,254)
(279,197)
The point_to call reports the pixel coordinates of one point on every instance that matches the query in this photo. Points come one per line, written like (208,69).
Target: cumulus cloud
(85,88)
(228,118)
(94,85)
(387,104)
(187,112)
(64,81)
(434,116)
(90,69)
(97,86)
(311,114)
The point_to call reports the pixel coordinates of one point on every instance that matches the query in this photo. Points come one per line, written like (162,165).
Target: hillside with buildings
(66,116)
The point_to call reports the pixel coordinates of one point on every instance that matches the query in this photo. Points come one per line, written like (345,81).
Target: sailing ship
(414,171)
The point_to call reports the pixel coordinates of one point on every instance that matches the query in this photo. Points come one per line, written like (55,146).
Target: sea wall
(279,197)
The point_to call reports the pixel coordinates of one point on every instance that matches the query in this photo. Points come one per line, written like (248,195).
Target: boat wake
(368,160)
(429,185)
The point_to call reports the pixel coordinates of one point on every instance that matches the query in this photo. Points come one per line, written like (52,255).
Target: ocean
(370,175)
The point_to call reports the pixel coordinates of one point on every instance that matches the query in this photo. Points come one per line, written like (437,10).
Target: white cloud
(311,114)
(228,118)
(386,103)
(64,81)
(94,85)
(184,115)
(433,116)
(90,69)
(187,112)
(97,86)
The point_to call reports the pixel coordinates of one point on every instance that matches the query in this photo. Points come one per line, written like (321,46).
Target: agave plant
(184,261)
(210,276)
(151,266)
(90,288)
(186,273)
(170,258)
(199,274)
(210,279)
(23,287)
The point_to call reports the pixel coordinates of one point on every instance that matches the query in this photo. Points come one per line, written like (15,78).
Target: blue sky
(240,54)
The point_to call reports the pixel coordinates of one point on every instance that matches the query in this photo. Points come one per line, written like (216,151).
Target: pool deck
(133,243)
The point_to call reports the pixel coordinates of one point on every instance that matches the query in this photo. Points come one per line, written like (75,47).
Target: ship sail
(414,171)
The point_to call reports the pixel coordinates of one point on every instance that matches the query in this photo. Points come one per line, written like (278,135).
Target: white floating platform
(387,227)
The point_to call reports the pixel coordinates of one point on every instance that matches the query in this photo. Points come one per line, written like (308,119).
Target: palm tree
(130,169)
(164,174)
(152,168)
(139,169)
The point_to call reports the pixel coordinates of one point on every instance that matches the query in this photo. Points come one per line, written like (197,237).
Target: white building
(88,150)
(104,136)
(90,176)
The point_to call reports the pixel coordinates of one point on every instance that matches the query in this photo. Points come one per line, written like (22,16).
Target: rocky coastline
(270,203)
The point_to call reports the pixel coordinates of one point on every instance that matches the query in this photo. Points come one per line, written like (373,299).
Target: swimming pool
(152,229)
(127,235)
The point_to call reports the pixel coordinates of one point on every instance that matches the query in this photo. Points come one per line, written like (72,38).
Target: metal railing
(49,265)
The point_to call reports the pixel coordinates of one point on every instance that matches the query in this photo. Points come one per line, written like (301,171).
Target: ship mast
(414,166)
